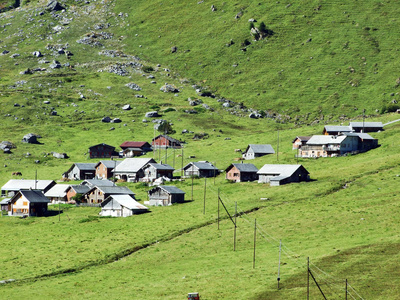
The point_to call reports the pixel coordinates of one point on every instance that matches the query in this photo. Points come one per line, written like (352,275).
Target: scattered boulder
(152,114)
(174,49)
(185,131)
(53,113)
(133,86)
(169,88)
(54,5)
(106,120)
(116,120)
(55,64)
(60,155)
(126,107)
(30,138)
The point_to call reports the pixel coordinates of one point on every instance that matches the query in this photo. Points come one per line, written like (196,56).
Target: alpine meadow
(218,76)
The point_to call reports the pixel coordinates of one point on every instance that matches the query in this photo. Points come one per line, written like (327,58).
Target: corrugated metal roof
(201,165)
(171,189)
(366,124)
(115,190)
(361,135)
(246,167)
(109,164)
(337,128)
(86,166)
(133,164)
(104,145)
(124,200)
(326,139)
(80,189)
(59,190)
(165,167)
(25,184)
(261,148)
(129,144)
(168,138)
(33,196)
(281,170)
(97,182)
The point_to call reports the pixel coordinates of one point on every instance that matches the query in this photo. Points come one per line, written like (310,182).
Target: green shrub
(169,109)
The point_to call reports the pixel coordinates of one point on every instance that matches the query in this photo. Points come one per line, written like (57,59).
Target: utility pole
(255,236)
(182,164)
(234,238)
(192,187)
(218,209)
(308,278)
(205,190)
(277,148)
(279,263)
(363,120)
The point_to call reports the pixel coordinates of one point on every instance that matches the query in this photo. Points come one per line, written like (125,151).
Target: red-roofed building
(131,149)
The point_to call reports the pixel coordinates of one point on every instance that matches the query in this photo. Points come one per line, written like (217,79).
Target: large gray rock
(106,120)
(152,114)
(126,107)
(60,155)
(30,138)
(169,88)
(54,5)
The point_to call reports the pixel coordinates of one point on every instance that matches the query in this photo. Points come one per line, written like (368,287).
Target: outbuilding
(164,195)
(256,150)
(121,206)
(200,169)
(241,172)
(278,174)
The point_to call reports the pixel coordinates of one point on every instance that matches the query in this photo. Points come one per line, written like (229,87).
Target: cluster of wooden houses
(31,197)
(338,140)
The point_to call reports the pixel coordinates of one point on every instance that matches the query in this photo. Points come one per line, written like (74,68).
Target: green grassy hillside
(324,64)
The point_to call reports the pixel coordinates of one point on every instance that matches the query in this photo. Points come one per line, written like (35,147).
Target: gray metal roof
(326,139)
(165,167)
(246,167)
(366,124)
(201,165)
(86,166)
(279,170)
(80,189)
(171,189)
(123,200)
(22,184)
(337,128)
(115,190)
(97,182)
(261,148)
(59,190)
(133,164)
(5,201)
(361,135)
(110,164)
(33,196)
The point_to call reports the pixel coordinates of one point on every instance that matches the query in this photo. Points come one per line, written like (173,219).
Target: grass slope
(345,220)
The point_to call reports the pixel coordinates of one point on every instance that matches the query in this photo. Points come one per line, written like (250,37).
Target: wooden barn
(121,206)
(76,189)
(99,193)
(165,141)
(165,195)
(200,169)
(153,171)
(131,169)
(28,203)
(131,149)
(101,151)
(81,171)
(241,172)
(257,150)
(278,174)
(104,168)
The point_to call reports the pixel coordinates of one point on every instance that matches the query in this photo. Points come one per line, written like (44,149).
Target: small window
(25,203)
